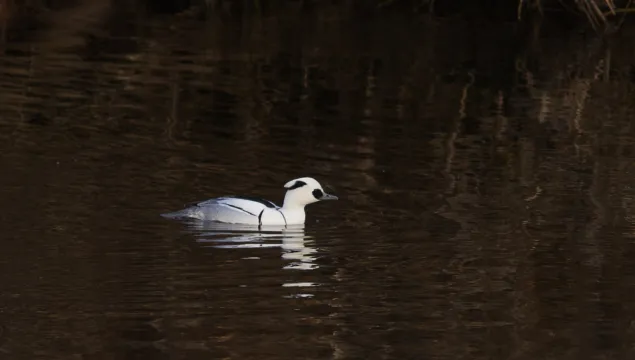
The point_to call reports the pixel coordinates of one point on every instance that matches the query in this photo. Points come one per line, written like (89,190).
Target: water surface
(484,184)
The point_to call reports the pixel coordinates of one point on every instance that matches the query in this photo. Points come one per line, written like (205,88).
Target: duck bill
(328,197)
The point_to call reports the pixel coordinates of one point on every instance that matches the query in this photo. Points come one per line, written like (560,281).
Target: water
(483,175)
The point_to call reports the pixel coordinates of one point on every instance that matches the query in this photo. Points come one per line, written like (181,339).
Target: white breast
(272,217)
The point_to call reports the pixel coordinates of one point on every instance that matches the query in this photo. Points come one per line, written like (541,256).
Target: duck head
(304,191)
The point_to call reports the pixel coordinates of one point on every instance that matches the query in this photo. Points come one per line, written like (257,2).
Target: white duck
(254,211)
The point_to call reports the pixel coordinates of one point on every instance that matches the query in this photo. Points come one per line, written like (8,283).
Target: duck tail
(179,215)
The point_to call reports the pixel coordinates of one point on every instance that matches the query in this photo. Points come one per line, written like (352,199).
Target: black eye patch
(317,193)
(297,184)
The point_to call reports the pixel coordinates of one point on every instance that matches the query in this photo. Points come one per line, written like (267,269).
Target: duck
(248,210)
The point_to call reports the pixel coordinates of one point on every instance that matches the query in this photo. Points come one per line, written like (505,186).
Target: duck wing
(231,209)
(228,209)
(247,204)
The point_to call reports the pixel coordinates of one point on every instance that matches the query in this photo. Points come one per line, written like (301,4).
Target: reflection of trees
(527,160)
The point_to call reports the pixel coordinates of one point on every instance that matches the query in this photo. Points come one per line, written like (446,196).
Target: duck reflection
(297,248)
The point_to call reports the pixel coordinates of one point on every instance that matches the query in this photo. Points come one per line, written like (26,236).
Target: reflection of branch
(530,82)
(67,26)
(545,101)
(369,89)
(581,94)
(5,14)
(607,65)
(464,96)
(591,9)
(536,4)
(172,119)
(451,150)
(535,195)
(500,115)
(592,248)
(580,100)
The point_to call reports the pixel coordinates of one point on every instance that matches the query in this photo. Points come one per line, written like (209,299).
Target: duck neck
(293,212)
(289,205)
(292,207)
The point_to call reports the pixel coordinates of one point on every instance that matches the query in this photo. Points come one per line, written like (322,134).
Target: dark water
(484,174)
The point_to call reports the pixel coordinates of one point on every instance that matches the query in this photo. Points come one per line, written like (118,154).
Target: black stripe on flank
(283,217)
(266,203)
(297,184)
(241,209)
(260,217)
